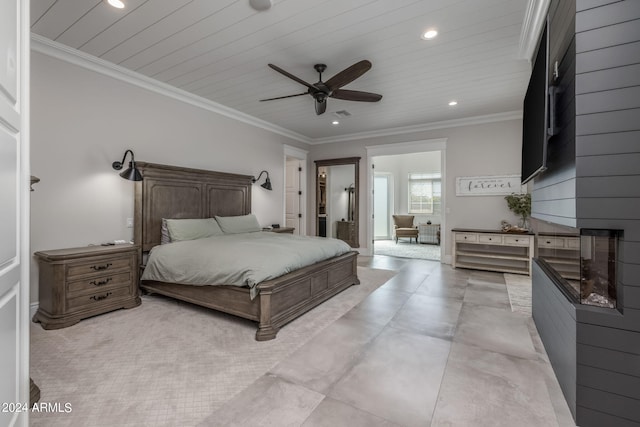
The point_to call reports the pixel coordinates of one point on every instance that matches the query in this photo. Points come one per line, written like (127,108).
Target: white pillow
(191,229)
(238,224)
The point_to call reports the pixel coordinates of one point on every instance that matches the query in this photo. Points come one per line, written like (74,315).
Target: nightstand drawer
(98,298)
(495,239)
(101,266)
(98,283)
(517,240)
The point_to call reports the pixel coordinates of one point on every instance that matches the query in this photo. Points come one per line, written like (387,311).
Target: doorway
(408,179)
(295,195)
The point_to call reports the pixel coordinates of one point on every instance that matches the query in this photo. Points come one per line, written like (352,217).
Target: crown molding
(534,19)
(444,124)
(59,51)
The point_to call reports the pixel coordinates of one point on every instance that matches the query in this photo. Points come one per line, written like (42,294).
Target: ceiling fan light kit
(320,91)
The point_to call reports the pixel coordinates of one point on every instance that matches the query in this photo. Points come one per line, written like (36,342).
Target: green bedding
(238,259)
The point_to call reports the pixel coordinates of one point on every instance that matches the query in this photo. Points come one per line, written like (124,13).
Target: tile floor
(432,347)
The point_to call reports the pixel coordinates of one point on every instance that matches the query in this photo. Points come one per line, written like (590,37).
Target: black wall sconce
(132,173)
(267,182)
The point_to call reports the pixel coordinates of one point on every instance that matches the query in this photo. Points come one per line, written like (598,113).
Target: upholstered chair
(403,227)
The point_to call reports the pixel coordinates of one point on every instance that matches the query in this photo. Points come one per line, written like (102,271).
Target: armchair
(403,227)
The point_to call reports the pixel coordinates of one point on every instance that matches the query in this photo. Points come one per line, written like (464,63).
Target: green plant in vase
(520,204)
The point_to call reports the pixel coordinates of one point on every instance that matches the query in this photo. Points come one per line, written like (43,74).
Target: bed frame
(176,192)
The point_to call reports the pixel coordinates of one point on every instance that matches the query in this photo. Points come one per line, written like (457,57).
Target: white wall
(82,121)
(474,150)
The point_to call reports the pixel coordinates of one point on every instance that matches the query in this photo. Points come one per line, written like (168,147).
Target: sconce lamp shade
(267,182)
(131,173)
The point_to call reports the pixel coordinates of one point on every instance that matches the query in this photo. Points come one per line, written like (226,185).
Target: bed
(176,192)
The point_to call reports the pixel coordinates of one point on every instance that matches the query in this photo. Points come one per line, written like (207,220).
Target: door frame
(15,270)
(300,154)
(421,146)
(390,201)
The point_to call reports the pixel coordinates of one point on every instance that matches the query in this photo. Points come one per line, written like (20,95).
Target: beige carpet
(165,363)
(519,289)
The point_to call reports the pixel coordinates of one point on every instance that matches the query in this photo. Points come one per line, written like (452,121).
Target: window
(425,190)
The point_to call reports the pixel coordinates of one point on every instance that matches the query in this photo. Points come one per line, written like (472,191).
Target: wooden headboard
(177,192)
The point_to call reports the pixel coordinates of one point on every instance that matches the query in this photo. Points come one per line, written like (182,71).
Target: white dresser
(493,250)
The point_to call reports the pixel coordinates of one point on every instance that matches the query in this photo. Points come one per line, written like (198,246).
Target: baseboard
(33,307)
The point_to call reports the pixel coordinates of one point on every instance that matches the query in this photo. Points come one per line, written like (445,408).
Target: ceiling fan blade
(355,95)
(292,77)
(321,106)
(287,96)
(348,75)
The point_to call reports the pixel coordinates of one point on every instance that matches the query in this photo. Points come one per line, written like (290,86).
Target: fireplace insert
(583,261)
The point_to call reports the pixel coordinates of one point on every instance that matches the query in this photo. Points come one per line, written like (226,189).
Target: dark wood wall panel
(613,143)
(609,14)
(610,78)
(607,380)
(556,323)
(606,138)
(590,4)
(616,407)
(605,358)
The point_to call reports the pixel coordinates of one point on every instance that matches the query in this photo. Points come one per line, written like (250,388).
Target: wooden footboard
(280,300)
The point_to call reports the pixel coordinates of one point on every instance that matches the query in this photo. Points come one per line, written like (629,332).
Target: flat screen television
(535,113)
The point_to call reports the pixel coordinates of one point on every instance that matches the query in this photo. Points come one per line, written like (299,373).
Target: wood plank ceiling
(219,50)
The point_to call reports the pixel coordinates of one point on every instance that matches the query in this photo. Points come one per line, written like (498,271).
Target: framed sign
(497,185)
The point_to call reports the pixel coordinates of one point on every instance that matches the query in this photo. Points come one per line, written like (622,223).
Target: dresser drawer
(97,299)
(572,242)
(101,266)
(550,242)
(466,237)
(98,283)
(517,240)
(495,239)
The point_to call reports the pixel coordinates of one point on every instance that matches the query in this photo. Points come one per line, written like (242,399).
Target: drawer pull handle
(100,283)
(548,242)
(100,297)
(101,267)
(517,240)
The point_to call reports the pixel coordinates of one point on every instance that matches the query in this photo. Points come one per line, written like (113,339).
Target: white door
(14,212)
(381,203)
(293,195)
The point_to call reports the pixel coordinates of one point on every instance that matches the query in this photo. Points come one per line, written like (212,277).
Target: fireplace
(581,262)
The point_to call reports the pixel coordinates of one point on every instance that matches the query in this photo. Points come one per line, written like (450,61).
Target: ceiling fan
(320,91)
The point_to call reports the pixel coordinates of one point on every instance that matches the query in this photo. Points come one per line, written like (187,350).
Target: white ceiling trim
(59,51)
(534,19)
(468,121)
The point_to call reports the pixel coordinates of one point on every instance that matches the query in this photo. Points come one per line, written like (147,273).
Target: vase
(524,223)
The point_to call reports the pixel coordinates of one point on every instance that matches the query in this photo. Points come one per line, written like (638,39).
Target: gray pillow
(238,224)
(164,233)
(191,229)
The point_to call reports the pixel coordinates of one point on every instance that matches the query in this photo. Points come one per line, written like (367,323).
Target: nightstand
(283,230)
(77,283)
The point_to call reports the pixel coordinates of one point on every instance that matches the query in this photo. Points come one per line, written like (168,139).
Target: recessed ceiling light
(335,123)
(452,103)
(260,4)
(429,34)
(118,4)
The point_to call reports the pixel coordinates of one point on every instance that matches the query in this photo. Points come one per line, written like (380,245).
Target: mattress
(244,259)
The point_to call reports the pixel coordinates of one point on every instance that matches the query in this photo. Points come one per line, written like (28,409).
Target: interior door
(14,215)
(381,211)
(293,196)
